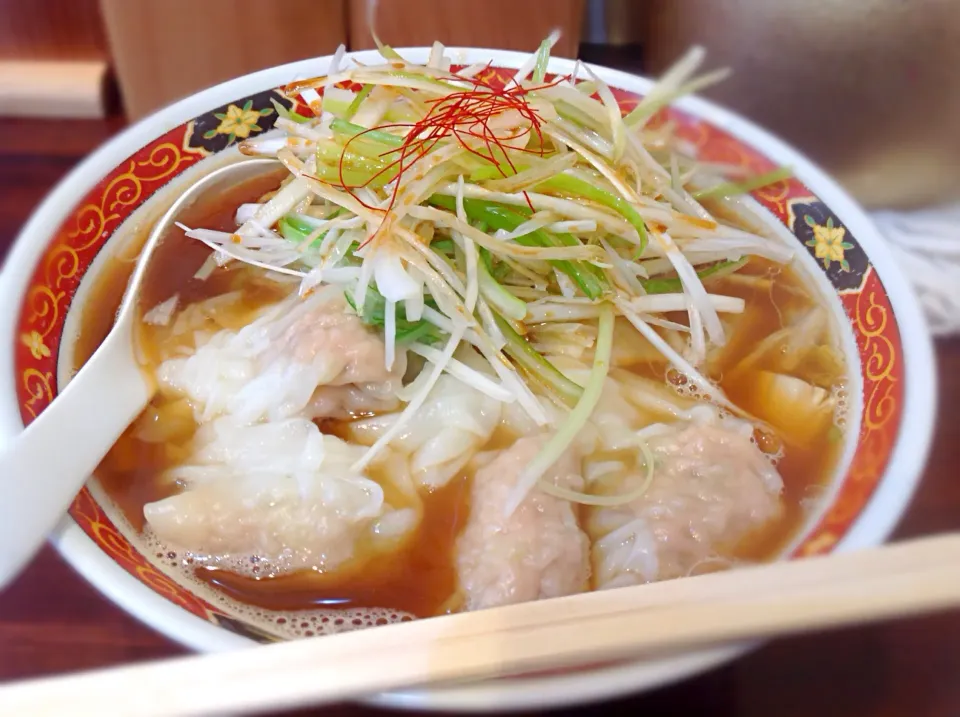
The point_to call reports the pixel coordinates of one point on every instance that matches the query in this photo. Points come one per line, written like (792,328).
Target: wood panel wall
(51,30)
(162,50)
(503,24)
(166,49)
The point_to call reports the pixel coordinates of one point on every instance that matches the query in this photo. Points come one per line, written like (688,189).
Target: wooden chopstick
(897,580)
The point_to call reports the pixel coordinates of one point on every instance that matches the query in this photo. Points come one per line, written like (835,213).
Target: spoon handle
(43,468)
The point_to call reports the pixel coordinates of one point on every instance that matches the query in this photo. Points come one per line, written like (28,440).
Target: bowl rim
(872,526)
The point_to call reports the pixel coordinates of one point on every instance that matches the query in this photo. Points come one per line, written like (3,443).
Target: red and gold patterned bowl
(112,197)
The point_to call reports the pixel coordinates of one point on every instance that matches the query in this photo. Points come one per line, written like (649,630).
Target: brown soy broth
(420,577)
(178,258)
(129,472)
(100,311)
(172,267)
(802,467)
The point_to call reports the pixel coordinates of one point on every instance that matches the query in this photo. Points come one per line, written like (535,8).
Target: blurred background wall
(51,30)
(869,89)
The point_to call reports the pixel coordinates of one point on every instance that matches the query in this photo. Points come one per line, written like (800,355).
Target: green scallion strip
(498,271)
(536,366)
(385,50)
(349,129)
(357,101)
(589,278)
(329,152)
(373,314)
(575,114)
(351,177)
(578,188)
(425,79)
(499,168)
(750,184)
(289,114)
(492,171)
(443,246)
(497,296)
(612,501)
(293,228)
(543,57)
(674,285)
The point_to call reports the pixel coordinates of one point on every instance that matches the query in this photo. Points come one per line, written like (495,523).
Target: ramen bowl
(95,217)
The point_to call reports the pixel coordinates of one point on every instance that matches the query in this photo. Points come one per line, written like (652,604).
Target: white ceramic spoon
(44,467)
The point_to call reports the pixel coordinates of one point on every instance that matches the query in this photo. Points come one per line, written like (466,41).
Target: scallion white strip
(469,376)
(575,496)
(415,403)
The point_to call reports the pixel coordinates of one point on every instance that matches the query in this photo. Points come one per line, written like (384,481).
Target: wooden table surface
(51,620)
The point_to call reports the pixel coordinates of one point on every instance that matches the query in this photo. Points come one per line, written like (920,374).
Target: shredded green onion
(374,314)
(498,271)
(589,278)
(491,171)
(337,100)
(673,285)
(578,188)
(610,501)
(543,57)
(350,177)
(732,189)
(357,101)
(287,113)
(385,50)
(294,228)
(443,246)
(555,138)
(536,366)
(499,298)
(349,129)
(330,152)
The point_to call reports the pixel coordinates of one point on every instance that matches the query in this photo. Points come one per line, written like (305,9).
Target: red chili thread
(463,114)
